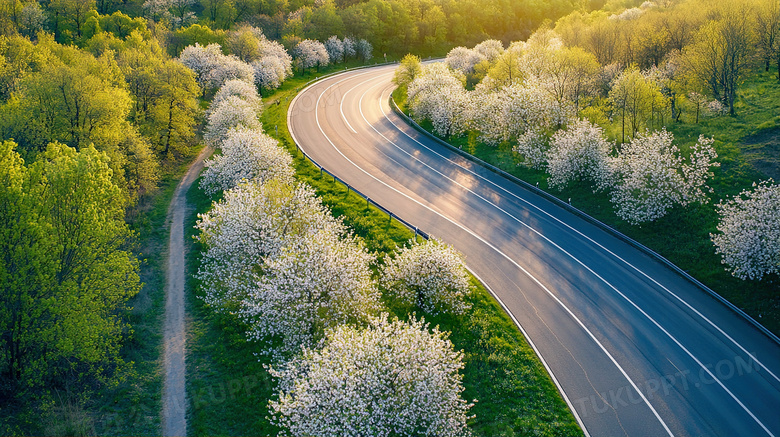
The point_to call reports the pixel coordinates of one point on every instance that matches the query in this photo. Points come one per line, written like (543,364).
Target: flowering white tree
(253,222)
(310,53)
(229,68)
(522,113)
(749,232)
(653,176)
(463,59)
(269,72)
(431,275)
(241,89)
(335,48)
(437,94)
(490,49)
(392,378)
(201,60)
(268,48)
(212,68)
(364,50)
(230,113)
(247,154)
(579,152)
(273,66)
(349,47)
(317,281)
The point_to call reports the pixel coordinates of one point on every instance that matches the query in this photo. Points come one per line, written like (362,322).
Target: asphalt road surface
(635,348)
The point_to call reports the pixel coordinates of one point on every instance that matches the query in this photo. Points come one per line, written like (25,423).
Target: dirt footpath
(174,405)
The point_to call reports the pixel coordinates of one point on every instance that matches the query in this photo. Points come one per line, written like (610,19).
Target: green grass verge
(229,388)
(747,145)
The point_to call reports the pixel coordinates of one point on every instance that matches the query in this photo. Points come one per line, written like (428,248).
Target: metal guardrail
(369,201)
(587,218)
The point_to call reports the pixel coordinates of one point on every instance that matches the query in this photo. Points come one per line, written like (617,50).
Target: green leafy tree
(722,53)
(409,68)
(65,270)
(633,97)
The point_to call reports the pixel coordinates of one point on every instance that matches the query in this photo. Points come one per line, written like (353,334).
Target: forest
(104,102)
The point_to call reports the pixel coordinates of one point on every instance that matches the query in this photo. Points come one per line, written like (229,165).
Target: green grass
(133,408)
(230,389)
(748,149)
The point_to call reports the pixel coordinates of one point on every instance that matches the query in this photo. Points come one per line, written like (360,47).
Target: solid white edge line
(538,354)
(470,232)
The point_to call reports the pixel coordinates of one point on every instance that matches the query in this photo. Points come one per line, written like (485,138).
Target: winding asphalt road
(635,348)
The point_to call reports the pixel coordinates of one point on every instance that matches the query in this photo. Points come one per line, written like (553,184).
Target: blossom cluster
(212,68)
(653,176)
(390,378)
(276,258)
(437,94)
(528,97)
(273,64)
(748,237)
(579,153)
(310,53)
(431,275)
(247,154)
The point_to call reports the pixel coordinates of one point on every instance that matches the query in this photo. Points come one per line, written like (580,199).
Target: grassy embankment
(748,147)
(229,388)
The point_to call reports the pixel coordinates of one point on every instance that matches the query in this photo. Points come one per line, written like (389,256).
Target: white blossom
(213,68)
(392,378)
(522,113)
(349,47)
(364,49)
(269,72)
(229,68)
(252,222)
(438,95)
(230,113)
(309,53)
(748,237)
(431,275)
(32,19)
(579,152)
(201,60)
(335,48)
(490,49)
(241,89)
(316,281)
(247,154)
(653,176)
(463,59)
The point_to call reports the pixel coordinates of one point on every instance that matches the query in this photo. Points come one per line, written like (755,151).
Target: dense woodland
(101,100)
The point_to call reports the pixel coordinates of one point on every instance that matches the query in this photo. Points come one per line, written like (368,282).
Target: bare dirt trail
(174,405)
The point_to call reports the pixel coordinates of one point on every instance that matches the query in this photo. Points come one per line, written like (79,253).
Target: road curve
(635,349)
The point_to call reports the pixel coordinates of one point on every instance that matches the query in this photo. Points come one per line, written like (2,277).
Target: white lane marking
(341,108)
(488,244)
(638,270)
(538,353)
(627,299)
